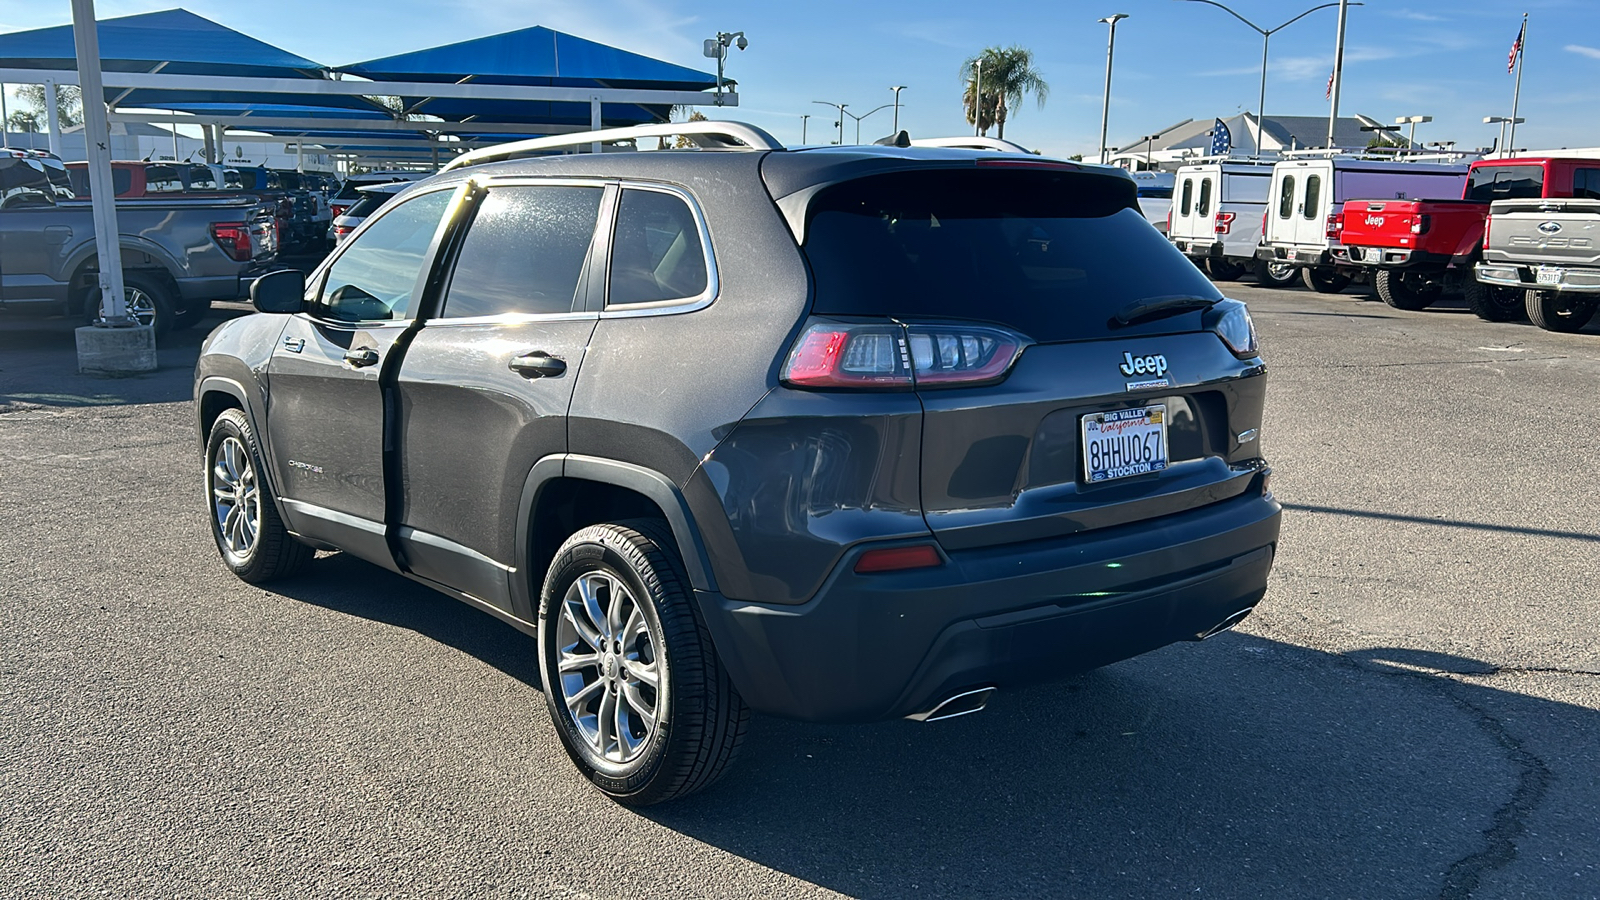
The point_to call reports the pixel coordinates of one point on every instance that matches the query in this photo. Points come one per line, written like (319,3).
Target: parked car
(350,191)
(1422,250)
(1155,197)
(839,434)
(178,253)
(134,179)
(1547,248)
(372,197)
(1217,218)
(1307,199)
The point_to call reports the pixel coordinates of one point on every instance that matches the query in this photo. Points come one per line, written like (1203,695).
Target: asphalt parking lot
(1414,711)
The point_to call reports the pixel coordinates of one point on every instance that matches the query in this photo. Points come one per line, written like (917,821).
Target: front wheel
(1407,290)
(244,519)
(1223,269)
(641,702)
(1492,302)
(1325,279)
(1556,311)
(1275,273)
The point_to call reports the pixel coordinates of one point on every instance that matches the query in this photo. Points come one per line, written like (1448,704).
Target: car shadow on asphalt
(1240,766)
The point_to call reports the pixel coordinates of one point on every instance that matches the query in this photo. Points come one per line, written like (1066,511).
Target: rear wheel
(633,685)
(149,301)
(1494,303)
(1223,269)
(1555,311)
(1276,273)
(1325,279)
(1407,290)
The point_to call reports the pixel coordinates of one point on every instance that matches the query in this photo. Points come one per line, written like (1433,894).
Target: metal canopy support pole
(594,119)
(1516,96)
(52,115)
(1338,70)
(300,156)
(5,117)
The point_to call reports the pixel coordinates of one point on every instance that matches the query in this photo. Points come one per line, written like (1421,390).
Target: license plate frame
(1549,276)
(1125,448)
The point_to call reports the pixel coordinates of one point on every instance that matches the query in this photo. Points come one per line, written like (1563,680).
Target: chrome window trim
(680,305)
(513,319)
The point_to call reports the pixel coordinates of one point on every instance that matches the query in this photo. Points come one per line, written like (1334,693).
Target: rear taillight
(898,559)
(1230,320)
(233,238)
(1487,221)
(1421,224)
(1224,222)
(339,209)
(1169,220)
(1335,226)
(340,232)
(888,356)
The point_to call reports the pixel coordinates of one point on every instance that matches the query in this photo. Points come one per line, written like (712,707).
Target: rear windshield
(1490,183)
(1053,254)
(369,202)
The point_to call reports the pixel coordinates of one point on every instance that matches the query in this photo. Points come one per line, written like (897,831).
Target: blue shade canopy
(187,43)
(534,56)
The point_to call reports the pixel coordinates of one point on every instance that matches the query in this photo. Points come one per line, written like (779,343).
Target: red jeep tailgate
(1442,227)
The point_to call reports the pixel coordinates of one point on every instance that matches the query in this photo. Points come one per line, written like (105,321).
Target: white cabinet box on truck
(1216,218)
(1302,225)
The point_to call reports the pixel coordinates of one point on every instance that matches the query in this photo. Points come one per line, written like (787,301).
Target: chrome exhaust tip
(961,704)
(1226,624)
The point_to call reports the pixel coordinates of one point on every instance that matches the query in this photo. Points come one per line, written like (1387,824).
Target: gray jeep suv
(838,434)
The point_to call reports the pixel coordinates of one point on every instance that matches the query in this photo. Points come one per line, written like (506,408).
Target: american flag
(1221,139)
(1516,49)
(1328,94)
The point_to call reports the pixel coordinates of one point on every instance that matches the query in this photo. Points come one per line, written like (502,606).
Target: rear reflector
(896,559)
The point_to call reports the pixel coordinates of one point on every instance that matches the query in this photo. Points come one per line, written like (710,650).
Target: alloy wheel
(610,668)
(141,306)
(235,498)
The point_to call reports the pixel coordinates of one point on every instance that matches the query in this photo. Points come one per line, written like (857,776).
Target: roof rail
(706,135)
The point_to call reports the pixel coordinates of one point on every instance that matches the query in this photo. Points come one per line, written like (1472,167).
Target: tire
(149,301)
(191,315)
(1494,303)
(1325,279)
(1224,269)
(1553,311)
(644,624)
(240,499)
(1271,273)
(1407,290)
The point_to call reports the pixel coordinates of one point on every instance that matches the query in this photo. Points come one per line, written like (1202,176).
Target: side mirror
(283,291)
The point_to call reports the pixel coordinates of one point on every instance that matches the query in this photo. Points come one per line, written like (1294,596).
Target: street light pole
(1266,35)
(1411,138)
(863,116)
(804,118)
(1105,101)
(840,107)
(897,89)
(1338,71)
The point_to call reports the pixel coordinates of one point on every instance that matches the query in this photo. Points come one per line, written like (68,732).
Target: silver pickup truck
(177,255)
(1551,248)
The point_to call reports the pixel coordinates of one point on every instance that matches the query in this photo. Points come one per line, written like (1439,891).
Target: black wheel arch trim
(648,482)
(221,384)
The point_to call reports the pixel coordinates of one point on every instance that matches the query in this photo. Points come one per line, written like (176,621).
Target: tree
(25,121)
(69,103)
(1381,141)
(1008,76)
(681,142)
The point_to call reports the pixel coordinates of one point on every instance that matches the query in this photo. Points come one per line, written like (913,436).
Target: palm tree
(1008,75)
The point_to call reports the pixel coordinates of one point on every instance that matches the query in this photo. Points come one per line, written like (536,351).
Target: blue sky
(1175,60)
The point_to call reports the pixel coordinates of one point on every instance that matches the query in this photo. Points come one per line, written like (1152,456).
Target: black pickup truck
(178,254)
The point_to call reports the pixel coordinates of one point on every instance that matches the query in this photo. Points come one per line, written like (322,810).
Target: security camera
(741,43)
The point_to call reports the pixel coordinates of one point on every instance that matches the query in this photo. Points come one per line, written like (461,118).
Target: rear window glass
(1188,196)
(369,203)
(1490,183)
(1205,197)
(1286,197)
(1313,196)
(161,180)
(656,254)
(1052,254)
(1586,184)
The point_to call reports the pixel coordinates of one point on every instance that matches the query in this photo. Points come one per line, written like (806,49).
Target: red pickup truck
(1420,250)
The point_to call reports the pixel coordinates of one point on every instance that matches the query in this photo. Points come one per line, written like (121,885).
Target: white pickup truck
(1216,219)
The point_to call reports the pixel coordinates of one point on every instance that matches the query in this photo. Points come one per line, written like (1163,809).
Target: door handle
(293,344)
(362,357)
(537,365)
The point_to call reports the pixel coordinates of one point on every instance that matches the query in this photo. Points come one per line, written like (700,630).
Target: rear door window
(374,277)
(1205,197)
(1313,196)
(1188,196)
(656,254)
(1490,183)
(1053,254)
(1286,197)
(524,252)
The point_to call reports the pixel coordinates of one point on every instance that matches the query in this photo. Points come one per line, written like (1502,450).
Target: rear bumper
(1199,249)
(1295,255)
(1576,281)
(882,646)
(1399,258)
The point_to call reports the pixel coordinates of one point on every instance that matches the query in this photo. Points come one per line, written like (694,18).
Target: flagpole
(1516,96)
(1338,73)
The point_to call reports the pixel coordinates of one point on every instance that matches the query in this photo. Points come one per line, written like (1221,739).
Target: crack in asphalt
(1529,670)
(1424,362)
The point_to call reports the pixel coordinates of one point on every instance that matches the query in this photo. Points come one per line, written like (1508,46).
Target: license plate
(1549,274)
(1124,443)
